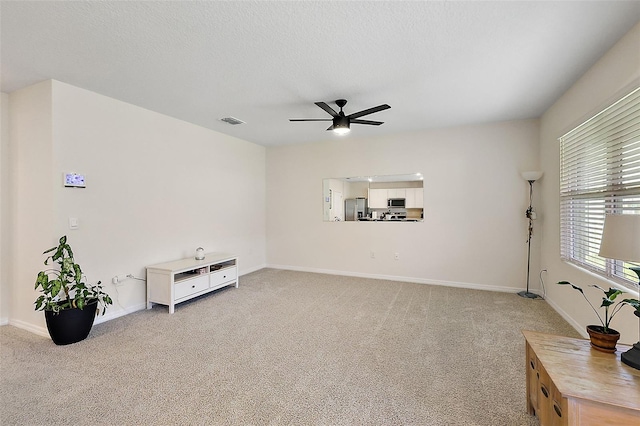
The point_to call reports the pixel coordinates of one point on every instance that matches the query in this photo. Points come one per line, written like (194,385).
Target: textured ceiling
(436,63)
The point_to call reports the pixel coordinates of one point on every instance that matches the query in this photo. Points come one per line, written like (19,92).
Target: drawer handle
(544,391)
(533,367)
(224,276)
(557,410)
(193,286)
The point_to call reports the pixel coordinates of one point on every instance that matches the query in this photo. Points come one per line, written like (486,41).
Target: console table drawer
(193,285)
(224,275)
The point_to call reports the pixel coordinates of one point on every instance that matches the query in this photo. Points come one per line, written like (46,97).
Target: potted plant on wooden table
(603,337)
(69,303)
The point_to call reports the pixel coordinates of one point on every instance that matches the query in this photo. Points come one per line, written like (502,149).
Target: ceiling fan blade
(373,123)
(369,111)
(310,119)
(327,108)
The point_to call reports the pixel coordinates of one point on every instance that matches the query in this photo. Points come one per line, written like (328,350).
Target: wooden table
(569,383)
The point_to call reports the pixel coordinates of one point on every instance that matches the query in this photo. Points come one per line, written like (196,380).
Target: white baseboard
(122,312)
(4,321)
(251,270)
(579,328)
(40,331)
(472,286)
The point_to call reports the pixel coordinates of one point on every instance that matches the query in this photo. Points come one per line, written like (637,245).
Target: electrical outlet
(396,256)
(373,254)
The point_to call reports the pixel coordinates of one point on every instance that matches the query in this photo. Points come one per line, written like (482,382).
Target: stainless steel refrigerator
(355,208)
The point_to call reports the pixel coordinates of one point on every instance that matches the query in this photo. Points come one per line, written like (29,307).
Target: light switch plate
(73,223)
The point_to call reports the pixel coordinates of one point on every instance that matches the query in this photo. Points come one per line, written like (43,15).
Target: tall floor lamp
(531,215)
(621,241)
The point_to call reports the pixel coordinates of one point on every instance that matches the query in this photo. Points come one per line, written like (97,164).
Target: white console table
(173,282)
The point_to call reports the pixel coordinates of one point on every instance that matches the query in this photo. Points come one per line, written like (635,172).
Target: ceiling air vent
(232,120)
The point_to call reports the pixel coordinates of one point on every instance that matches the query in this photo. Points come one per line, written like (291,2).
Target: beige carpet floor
(287,348)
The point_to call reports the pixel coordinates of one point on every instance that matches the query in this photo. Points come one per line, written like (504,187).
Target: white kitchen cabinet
(415,198)
(397,193)
(378,198)
(173,282)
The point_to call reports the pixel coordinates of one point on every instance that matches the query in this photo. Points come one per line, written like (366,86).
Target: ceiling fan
(341,122)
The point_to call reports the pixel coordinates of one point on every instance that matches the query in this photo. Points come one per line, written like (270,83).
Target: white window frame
(600,174)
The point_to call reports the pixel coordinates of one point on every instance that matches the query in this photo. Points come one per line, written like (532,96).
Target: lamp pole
(531,215)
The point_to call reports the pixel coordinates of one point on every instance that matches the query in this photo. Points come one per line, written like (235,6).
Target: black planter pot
(71,325)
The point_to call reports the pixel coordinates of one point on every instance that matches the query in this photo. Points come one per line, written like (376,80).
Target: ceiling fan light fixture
(341,125)
(341,130)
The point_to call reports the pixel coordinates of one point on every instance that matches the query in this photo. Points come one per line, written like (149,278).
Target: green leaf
(574,286)
(67,265)
(39,301)
(633,302)
(613,293)
(42,280)
(77,272)
(56,286)
(606,302)
(58,254)
(50,250)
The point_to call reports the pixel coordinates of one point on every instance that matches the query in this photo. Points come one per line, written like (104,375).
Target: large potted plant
(603,337)
(69,304)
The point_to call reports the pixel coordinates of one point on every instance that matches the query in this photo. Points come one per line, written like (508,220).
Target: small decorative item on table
(199,253)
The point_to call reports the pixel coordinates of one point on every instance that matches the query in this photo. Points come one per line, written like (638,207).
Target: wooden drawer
(552,407)
(533,381)
(558,408)
(192,285)
(223,276)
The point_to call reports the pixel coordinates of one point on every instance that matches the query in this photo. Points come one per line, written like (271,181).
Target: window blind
(600,174)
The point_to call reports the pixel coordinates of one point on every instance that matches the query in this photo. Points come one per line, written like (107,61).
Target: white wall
(31,196)
(474,228)
(157,188)
(4,208)
(603,83)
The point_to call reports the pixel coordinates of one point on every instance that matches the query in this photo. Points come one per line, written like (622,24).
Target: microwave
(396,202)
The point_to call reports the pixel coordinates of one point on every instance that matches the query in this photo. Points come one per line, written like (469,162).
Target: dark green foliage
(64,288)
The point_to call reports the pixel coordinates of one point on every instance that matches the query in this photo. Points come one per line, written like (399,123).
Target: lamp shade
(621,237)
(531,176)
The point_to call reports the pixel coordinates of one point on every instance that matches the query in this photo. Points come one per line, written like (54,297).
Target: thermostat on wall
(74,180)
